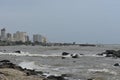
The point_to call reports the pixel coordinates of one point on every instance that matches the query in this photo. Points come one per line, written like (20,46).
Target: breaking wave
(103,70)
(29,54)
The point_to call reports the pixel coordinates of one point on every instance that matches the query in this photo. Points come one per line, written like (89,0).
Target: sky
(81,21)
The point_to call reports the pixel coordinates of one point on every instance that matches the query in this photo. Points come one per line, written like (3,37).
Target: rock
(65,53)
(116,64)
(63,57)
(52,77)
(90,79)
(74,55)
(111,53)
(17,51)
(81,54)
(66,75)
(100,54)
(5,61)
(30,72)
(13,74)
(8,64)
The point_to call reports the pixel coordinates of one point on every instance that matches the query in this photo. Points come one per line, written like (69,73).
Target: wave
(29,65)
(47,55)
(103,70)
(29,54)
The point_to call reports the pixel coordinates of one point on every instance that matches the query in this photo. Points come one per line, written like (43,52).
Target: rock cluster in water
(111,53)
(64,54)
(9,65)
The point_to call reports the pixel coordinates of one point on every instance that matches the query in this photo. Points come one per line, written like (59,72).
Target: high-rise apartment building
(3,34)
(9,37)
(39,38)
(20,36)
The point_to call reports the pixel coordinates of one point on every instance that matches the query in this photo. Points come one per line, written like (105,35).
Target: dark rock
(17,51)
(39,72)
(19,68)
(66,75)
(63,57)
(52,77)
(74,55)
(30,72)
(116,64)
(111,53)
(8,64)
(5,61)
(100,54)
(89,79)
(65,53)
(81,54)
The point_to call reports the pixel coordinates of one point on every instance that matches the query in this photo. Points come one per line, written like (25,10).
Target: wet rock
(100,54)
(63,57)
(111,53)
(116,64)
(65,53)
(17,51)
(89,79)
(5,61)
(81,54)
(66,75)
(52,77)
(74,55)
(8,64)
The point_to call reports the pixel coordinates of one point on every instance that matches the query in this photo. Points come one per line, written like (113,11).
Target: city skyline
(80,21)
(20,36)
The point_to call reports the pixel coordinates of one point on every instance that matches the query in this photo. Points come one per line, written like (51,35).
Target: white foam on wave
(29,54)
(47,55)
(103,70)
(93,55)
(29,65)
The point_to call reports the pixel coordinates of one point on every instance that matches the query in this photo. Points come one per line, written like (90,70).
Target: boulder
(111,53)
(17,51)
(63,57)
(4,61)
(65,53)
(8,64)
(74,55)
(52,77)
(116,64)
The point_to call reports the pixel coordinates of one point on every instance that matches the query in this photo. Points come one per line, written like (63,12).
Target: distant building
(9,37)
(3,34)
(39,38)
(20,36)
(27,38)
(44,40)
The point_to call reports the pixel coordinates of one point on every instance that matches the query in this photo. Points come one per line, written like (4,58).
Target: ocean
(49,60)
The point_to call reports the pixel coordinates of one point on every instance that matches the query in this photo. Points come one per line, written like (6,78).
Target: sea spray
(29,65)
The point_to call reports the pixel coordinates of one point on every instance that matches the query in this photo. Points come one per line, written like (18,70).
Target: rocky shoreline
(10,71)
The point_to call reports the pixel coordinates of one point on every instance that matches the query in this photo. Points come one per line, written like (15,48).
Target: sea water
(49,60)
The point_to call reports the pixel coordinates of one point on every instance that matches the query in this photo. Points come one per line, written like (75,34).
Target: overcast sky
(82,21)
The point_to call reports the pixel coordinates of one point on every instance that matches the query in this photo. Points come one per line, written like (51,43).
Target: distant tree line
(8,43)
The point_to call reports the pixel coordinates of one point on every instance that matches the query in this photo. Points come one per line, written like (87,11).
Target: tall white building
(20,36)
